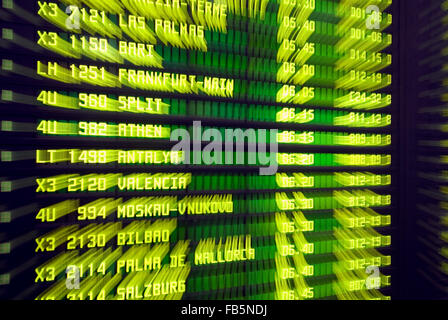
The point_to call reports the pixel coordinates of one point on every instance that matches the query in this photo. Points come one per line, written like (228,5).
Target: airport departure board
(196,149)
